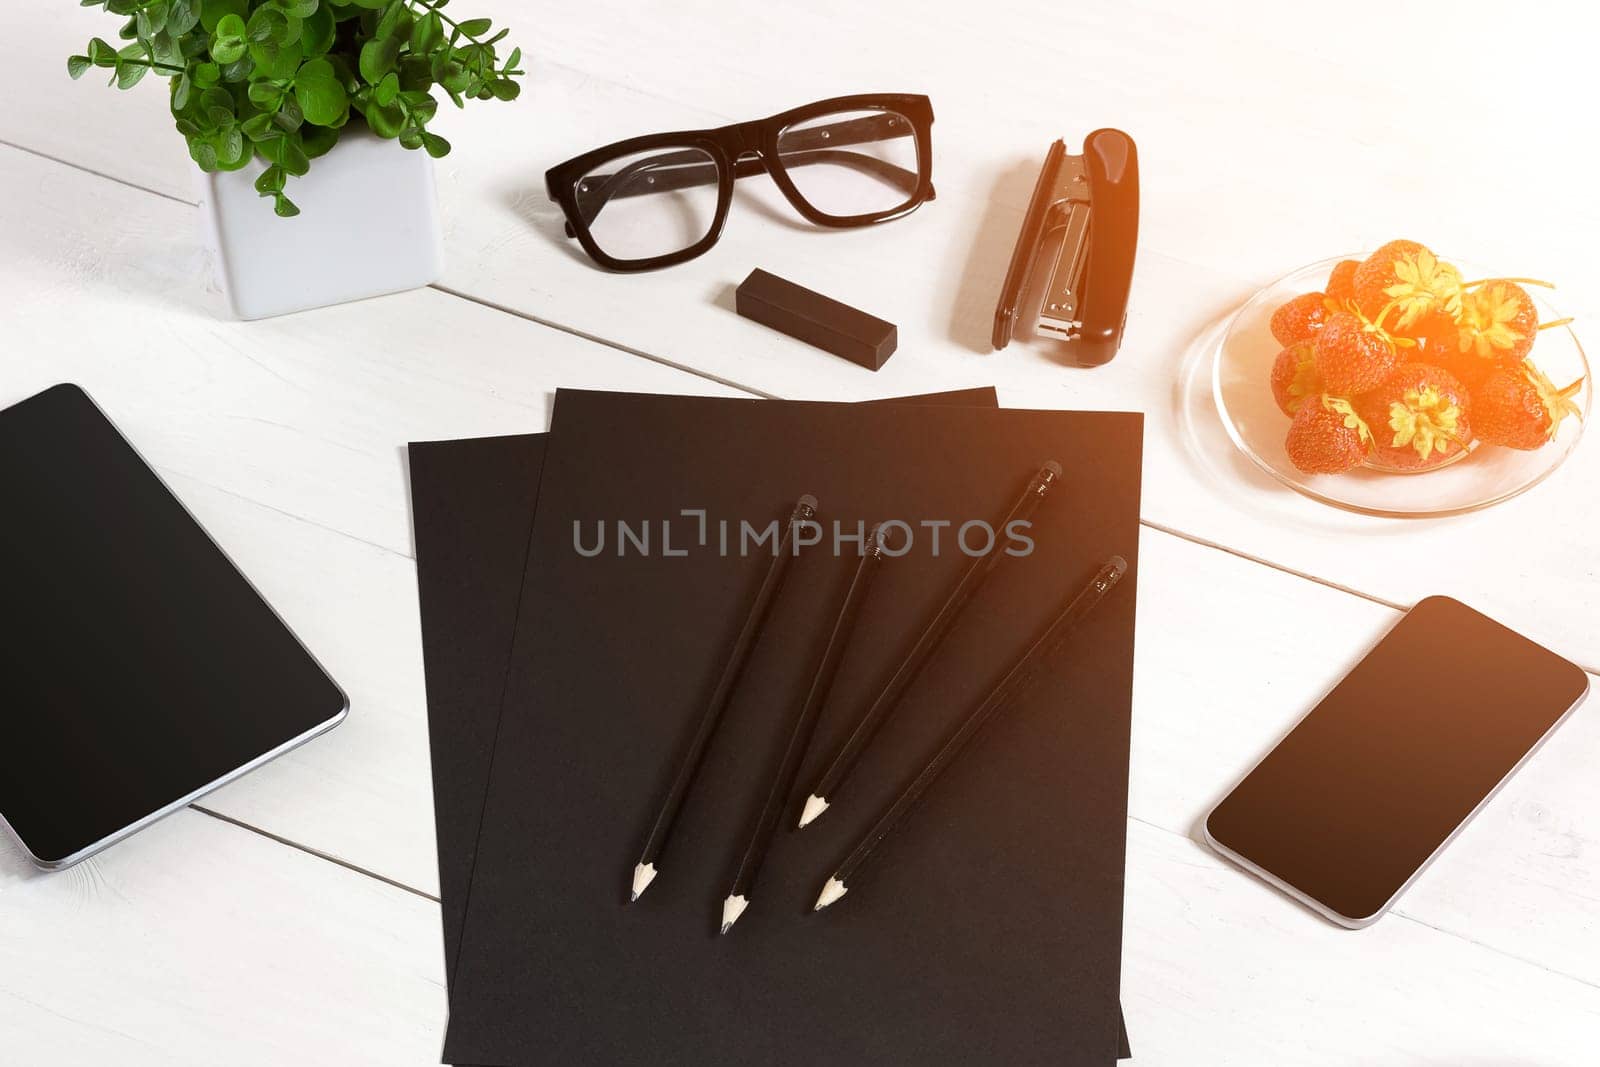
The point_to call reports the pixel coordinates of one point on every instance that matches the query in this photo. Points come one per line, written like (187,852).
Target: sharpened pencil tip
(830,893)
(732,908)
(643,875)
(815,806)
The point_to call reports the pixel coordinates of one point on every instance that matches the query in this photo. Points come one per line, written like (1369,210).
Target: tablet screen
(138,667)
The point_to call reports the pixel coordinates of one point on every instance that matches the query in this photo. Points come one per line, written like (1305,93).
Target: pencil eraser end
(818,320)
(1053,467)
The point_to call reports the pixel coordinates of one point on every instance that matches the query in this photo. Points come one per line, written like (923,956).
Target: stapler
(1082,226)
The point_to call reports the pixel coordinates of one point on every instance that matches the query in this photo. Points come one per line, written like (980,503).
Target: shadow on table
(990,239)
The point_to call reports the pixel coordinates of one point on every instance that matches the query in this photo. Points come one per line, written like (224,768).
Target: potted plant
(263,90)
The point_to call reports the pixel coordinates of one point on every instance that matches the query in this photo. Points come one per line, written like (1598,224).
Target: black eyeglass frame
(739,151)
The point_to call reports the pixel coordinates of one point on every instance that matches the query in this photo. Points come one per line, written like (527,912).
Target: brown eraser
(816,319)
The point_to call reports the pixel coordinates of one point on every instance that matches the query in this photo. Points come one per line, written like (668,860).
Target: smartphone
(1379,777)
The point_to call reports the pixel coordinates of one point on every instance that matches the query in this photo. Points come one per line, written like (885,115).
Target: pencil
(805,723)
(644,871)
(1013,685)
(823,793)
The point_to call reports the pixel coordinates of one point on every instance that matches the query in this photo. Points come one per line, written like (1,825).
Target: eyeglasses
(653,201)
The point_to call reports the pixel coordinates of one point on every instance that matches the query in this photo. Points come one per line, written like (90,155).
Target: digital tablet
(139,669)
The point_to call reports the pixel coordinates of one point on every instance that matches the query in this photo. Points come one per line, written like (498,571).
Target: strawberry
(1342,282)
(1327,436)
(1405,277)
(1294,376)
(1418,417)
(1354,355)
(1498,322)
(1299,319)
(1521,408)
(1439,344)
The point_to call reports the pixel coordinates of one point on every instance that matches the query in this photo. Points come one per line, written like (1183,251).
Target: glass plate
(1486,475)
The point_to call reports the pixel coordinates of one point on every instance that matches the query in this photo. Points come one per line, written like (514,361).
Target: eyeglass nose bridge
(744,148)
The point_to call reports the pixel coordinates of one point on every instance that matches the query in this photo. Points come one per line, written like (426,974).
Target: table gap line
(618,346)
(396,884)
(38,154)
(172,475)
(310,851)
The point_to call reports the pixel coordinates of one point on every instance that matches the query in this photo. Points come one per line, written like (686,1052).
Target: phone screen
(1379,776)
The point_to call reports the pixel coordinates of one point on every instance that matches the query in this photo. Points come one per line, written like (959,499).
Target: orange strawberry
(1418,417)
(1521,408)
(1299,319)
(1498,321)
(1327,436)
(1354,355)
(1342,282)
(1294,376)
(1405,278)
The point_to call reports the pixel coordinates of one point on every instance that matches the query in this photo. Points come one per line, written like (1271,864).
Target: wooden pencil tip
(830,893)
(815,806)
(732,908)
(643,875)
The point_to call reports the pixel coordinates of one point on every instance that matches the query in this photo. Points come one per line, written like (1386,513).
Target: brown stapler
(1082,226)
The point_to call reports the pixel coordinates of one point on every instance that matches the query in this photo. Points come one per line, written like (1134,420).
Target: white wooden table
(292,917)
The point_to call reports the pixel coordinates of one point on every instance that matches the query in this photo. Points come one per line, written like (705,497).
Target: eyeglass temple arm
(688,168)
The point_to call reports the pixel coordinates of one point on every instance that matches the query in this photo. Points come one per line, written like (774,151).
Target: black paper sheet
(992,927)
(473,504)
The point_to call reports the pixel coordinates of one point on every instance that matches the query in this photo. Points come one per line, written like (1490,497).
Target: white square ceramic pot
(368,225)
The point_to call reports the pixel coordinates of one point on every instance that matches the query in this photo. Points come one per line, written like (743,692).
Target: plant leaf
(270,181)
(475,27)
(284,207)
(212,12)
(266,24)
(385,121)
(239,69)
(258,127)
(426,33)
(182,17)
(276,61)
(387,89)
(505,89)
(182,86)
(102,54)
(320,94)
(437,146)
(232,146)
(76,65)
(317,140)
(300,9)
(129,74)
(317,32)
(228,40)
(378,57)
(265,93)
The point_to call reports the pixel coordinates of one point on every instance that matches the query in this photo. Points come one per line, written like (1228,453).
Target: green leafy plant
(278,79)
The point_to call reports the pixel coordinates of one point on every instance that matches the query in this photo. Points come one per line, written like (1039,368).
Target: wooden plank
(1269,138)
(257,425)
(1219,969)
(198,943)
(1230,656)
(308,414)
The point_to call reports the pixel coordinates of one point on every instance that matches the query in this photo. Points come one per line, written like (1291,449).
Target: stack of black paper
(563,685)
